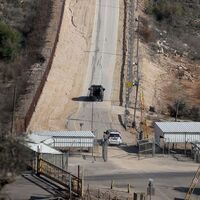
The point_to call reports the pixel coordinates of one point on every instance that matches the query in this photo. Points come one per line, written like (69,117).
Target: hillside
(23,27)
(22,30)
(170,57)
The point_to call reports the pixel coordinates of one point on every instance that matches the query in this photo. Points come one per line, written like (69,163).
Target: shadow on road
(38,198)
(83,98)
(185,190)
(49,186)
(121,121)
(129,149)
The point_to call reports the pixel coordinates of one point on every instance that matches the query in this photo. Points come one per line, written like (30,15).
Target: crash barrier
(64,178)
(38,92)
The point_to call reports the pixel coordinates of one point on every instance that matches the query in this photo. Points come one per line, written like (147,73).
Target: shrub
(183,111)
(13,158)
(164,9)
(10,41)
(147,34)
(194,113)
(178,108)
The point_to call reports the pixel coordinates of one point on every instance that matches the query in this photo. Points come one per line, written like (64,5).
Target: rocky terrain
(169,57)
(170,62)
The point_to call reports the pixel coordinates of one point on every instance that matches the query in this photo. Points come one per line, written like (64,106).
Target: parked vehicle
(96,92)
(113,137)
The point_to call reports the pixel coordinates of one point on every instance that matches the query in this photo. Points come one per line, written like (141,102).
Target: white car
(113,137)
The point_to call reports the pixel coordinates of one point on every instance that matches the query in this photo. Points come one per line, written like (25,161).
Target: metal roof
(179,127)
(181,137)
(79,134)
(37,138)
(43,148)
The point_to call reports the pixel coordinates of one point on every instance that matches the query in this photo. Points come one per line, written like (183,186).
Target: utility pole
(137,72)
(92,121)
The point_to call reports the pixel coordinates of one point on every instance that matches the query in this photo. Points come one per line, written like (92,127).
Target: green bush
(10,42)
(178,108)
(164,9)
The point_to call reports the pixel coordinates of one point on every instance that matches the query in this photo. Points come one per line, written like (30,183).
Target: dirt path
(66,76)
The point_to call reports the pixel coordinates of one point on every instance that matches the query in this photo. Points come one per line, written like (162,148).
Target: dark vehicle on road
(96,92)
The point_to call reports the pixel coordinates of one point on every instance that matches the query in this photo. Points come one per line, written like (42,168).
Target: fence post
(38,161)
(70,187)
(138,151)
(153,148)
(82,183)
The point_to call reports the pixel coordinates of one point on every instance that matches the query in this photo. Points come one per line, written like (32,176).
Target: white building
(177,132)
(65,139)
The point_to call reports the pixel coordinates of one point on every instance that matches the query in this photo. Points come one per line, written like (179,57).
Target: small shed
(177,132)
(67,139)
(35,144)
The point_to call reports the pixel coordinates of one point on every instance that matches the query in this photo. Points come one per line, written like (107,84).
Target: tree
(10,42)
(13,157)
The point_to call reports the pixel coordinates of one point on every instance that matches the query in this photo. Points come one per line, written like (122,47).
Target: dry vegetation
(170,35)
(22,36)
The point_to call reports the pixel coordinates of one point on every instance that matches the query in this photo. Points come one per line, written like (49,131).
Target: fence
(64,178)
(45,75)
(129,32)
(146,147)
(59,160)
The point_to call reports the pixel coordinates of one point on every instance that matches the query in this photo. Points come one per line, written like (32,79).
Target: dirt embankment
(70,62)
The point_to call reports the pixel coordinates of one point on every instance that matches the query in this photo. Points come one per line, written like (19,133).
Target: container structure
(177,132)
(68,139)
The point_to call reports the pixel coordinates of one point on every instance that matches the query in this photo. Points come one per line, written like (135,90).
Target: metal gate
(146,148)
(64,178)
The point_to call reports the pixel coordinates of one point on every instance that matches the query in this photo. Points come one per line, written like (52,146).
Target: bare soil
(66,76)
(167,77)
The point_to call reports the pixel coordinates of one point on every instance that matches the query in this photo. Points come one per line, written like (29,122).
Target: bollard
(128,188)
(142,196)
(134,196)
(98,194)
(112,184)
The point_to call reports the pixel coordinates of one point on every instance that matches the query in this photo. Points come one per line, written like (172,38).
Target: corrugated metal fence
(45,75)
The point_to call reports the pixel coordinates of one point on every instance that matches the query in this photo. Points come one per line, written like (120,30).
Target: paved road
(100,69)
(167,185)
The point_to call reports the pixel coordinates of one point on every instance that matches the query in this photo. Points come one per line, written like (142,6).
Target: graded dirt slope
(70,62)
